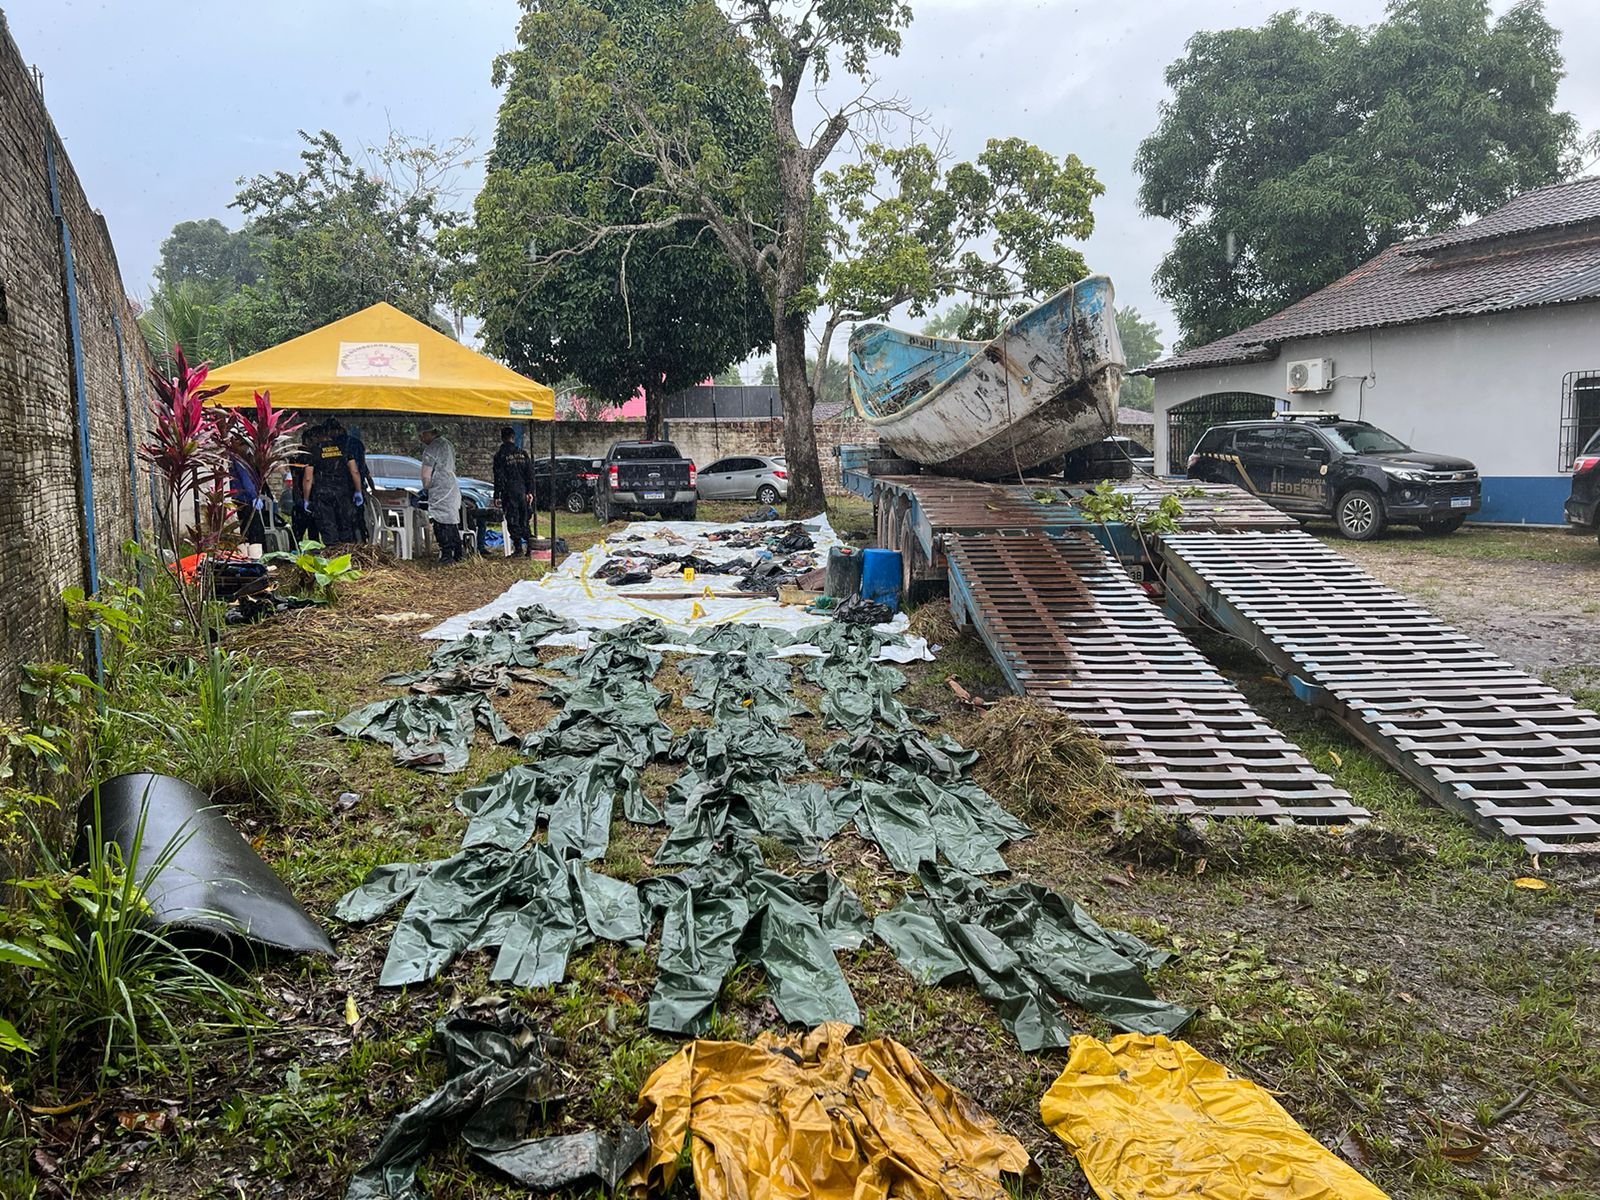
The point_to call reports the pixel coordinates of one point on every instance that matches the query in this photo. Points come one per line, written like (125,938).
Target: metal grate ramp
(1509,752)
(1067,626)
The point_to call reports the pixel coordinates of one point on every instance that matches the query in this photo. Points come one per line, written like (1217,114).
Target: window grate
(1580,413)
(1187,421)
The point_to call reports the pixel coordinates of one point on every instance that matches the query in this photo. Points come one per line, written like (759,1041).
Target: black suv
(1583,504)
(1317,465)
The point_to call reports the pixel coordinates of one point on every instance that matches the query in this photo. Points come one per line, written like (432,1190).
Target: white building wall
(1486,388)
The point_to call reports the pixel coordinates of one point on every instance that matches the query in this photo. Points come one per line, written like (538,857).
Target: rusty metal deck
(1067,626)
(915,514)
(1487,740)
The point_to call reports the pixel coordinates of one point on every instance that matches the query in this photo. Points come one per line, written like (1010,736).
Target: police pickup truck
(1321,465)
(645,477)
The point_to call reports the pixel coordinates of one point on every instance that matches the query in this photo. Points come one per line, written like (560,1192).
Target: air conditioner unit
(1311,375)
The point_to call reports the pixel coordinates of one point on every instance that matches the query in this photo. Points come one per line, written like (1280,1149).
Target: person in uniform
(513,490)
(335,486)
(356,450)
(297,497)
(444,493)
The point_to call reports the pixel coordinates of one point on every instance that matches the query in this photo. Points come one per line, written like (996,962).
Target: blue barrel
(844,572)
(880,576)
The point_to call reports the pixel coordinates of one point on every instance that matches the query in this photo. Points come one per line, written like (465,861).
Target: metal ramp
(1069,627)
(1487,740)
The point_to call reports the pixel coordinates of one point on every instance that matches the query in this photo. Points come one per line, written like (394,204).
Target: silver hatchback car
(745,477)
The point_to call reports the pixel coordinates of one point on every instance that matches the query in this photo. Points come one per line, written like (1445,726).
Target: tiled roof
(832,410)
(1553,207)
(1414,282)
(1134,416)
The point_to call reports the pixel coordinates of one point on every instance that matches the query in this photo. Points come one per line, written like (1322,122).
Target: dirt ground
(1528,594)
(1409,1004)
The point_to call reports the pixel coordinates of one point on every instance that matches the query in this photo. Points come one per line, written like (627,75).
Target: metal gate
(1187,421)
(1580,414)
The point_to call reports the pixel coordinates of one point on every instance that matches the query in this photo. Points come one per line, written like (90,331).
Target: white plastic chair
(397,528)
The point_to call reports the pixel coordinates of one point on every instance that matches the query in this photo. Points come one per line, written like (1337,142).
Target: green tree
(338,236)
(661,307)
(729,378)
(949,323)
(761,208)
(209,254)
(830,379)
(905,231)
(769,374)
(1141,346)
(1291,153)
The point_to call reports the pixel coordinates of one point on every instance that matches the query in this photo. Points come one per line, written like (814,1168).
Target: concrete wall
(43,533)
(1486,388)
(704,442)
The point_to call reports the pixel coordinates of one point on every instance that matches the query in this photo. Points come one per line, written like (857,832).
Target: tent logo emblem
(522,408)
(378,360)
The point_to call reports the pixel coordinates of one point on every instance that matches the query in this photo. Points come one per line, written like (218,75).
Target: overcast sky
(165,105)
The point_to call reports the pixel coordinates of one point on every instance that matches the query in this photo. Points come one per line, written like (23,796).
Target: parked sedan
(1583,504)
(405,473)
(575,480)
(745,477)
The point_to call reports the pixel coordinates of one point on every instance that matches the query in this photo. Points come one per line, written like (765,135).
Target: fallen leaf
(1112,877)
(1464,1151)
(1199,866)
(351,1013)
(45,1162)
(1354,1149)
(155,1121)
(1337,761)
(57,1110)
(1530,883)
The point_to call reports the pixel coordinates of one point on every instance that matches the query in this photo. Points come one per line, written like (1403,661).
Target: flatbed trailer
(1088,617)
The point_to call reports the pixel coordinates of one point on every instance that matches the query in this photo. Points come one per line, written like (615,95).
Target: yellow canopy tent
(380,358)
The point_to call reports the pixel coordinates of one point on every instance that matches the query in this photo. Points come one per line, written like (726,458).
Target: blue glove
(305,506)
(256,504)
(360,499)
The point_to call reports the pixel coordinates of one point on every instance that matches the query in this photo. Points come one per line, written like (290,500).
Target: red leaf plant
(187,452)
(262,441)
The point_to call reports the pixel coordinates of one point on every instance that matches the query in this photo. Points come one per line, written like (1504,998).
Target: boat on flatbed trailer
(1045,386)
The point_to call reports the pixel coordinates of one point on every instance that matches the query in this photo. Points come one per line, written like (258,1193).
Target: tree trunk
(652,414)
(799,435)
(824,348)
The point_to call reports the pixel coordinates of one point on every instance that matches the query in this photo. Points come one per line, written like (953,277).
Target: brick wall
(43,538)
(475,438)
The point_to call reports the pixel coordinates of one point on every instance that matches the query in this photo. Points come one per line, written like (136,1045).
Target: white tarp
(573,592)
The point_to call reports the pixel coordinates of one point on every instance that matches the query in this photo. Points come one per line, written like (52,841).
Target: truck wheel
(574,502)
(686,512)
(602,508)
(766,494)
(1440,526)
(1360,514)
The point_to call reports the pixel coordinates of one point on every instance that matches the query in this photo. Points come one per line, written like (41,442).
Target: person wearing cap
(513,490)
(333,485)
(444,492)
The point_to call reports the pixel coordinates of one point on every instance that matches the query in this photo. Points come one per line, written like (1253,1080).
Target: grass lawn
(1392,987)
